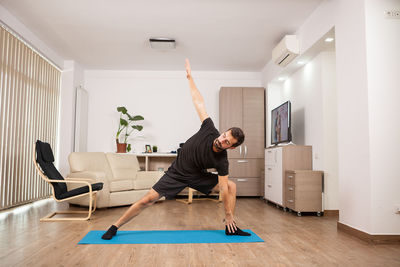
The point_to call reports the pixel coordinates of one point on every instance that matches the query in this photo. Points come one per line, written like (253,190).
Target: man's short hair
(238,134)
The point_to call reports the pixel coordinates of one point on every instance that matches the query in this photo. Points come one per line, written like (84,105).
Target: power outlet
(392,14)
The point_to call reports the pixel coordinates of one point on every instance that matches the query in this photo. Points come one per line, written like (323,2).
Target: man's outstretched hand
(188,70)
(232,229)
(230,224)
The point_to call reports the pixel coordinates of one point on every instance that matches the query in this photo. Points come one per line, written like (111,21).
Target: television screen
(280,124)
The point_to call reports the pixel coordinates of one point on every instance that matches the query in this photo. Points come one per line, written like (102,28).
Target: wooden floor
(289,240)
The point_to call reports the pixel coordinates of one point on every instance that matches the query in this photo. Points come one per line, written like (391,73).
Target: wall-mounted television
(281,124)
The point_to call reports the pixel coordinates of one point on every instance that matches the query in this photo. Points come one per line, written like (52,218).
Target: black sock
(112,231)
(237,232)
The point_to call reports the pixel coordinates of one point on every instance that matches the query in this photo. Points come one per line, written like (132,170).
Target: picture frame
(148,149)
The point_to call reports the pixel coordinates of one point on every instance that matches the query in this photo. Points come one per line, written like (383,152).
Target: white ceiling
(225,35)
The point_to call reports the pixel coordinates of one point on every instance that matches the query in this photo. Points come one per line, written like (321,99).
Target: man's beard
(218,144)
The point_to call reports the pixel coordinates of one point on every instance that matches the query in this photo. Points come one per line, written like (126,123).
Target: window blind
(29,99)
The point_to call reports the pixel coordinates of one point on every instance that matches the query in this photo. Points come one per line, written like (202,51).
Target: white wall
(312,93)
(162,98)
(366,168)
(383,68)
(72,77)
(12,22)
(329,154)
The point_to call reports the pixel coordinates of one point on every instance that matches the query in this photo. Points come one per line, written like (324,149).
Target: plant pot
(121,147)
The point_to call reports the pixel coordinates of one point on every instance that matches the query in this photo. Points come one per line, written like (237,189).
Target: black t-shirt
(197,154)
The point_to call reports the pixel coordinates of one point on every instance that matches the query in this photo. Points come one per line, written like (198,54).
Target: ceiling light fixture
(329,39)
(162,43)
(301,62)
(282,79)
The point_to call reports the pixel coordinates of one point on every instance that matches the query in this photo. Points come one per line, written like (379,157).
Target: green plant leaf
(137,127)
(122,109)
(136,118)
(128,148)
(123,122)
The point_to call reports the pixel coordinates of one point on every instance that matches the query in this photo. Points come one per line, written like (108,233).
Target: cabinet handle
(245,150)
(242,161)
(240,149)
(270,169)
(291,201)
(290,176)
(269,185)
(290,188)
(241,180)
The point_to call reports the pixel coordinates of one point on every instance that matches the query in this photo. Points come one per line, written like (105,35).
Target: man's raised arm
(197,98)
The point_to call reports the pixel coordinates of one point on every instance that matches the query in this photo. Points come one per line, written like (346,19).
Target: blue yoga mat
(169,237)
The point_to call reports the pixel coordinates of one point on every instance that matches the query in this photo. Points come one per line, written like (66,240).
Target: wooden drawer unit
(245,168)
(278,160)
(303,191)
(289,179)
(247,186)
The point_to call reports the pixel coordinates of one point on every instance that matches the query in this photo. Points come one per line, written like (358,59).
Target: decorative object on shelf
(127,123)
(148,149)
(155,149)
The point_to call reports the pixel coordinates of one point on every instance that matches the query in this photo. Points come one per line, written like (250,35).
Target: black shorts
(169,187)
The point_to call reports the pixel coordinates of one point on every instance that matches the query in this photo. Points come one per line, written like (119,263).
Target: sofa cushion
(121,185)
(88,161)
(123,166)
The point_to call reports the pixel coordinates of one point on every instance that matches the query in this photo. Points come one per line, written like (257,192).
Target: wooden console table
(155,161)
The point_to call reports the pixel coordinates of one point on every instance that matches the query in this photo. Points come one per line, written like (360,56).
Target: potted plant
(127,124)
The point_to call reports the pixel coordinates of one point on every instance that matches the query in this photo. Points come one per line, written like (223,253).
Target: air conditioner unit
(286,50)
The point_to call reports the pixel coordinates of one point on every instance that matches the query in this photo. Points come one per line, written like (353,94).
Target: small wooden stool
(191,190)
(190,198)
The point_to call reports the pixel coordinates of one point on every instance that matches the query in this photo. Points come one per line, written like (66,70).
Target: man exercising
(204,150)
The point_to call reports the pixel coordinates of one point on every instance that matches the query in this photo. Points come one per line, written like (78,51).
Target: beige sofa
(124,183)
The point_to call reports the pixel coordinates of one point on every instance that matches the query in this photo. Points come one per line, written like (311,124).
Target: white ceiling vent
(286,50)
(162,43)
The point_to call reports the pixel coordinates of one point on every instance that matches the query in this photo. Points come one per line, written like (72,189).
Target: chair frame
(92,197)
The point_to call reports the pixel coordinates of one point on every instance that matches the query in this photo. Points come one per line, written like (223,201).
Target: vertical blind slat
(2,112)
(9,120)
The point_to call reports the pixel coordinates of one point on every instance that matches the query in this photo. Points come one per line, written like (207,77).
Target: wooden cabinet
(244,107)
(304,191)
(277,161)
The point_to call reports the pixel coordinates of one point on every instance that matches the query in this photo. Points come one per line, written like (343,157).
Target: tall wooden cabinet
(244,107)
(278,160)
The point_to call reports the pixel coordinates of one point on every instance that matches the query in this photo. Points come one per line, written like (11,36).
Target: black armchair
(43,160)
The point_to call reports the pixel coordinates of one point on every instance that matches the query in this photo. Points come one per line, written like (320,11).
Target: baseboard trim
(331,213)
(375,239)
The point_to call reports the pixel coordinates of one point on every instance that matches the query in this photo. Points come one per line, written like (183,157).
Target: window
(29,99)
